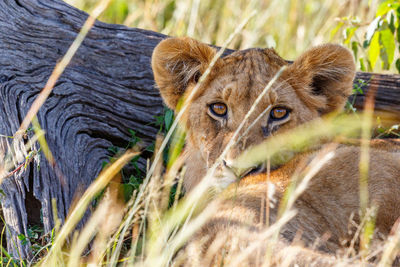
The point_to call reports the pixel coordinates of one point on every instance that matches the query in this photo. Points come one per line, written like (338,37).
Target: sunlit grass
(150,234)
(291,26)
(161,233)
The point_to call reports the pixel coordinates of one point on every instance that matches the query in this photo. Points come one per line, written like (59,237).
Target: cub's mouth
(254,170)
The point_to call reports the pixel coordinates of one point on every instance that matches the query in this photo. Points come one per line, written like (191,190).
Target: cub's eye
(218,109)
(196,77)
(279,113)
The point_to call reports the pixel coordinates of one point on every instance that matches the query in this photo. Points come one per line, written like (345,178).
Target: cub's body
(327,215)
(317,83)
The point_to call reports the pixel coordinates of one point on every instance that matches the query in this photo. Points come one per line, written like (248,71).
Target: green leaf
(374,49)
(373,26)
(150,148)
(113,149)
(392,24)
(168,119)
(365,44)
(388,46)
(349,33)
(384,8)
(135,159)
(398,31)
(178,141)
(104,164)
(354,47)
(134,139)
(127,191)
(398,65)
(380,130)
(23,239)
(358,85)
(362,65)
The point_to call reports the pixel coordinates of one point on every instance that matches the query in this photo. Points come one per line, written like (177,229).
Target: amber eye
(279,113)
(219,109)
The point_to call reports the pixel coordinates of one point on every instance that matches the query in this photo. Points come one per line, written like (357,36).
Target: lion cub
(317,83)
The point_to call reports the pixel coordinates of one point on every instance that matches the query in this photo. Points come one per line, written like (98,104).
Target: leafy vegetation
(378,40)
(132,181)
(290,26)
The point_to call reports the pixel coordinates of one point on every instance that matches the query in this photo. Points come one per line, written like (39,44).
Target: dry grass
(291,26)
(144,232)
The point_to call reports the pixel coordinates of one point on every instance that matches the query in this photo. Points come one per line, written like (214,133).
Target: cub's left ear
(323,77)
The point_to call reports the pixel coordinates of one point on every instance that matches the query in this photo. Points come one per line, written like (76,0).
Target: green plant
(357,89)
(35,236)
(376,41)
(384,131)
(130,182)
(290,26)
(133,180)
(164,121)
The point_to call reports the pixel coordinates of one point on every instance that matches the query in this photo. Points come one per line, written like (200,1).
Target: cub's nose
(225,163)
(266,131)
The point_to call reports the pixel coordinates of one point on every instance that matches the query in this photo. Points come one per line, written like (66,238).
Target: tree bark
(106,90)
(386,91)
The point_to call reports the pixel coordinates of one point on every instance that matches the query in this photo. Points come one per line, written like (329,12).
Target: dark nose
(225,164)
(266,131)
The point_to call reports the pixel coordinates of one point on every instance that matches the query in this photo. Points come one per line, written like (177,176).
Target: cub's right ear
(176,63)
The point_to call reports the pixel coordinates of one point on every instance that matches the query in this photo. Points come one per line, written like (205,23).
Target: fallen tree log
(107,90)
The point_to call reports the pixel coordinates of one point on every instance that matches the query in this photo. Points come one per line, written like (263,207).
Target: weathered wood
(106,90)
(387,98)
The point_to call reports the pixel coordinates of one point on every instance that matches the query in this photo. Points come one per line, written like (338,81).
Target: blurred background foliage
(369,27)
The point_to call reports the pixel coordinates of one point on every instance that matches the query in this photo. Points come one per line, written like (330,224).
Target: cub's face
(315,84)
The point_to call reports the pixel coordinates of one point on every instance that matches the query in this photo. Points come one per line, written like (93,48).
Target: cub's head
(317,83)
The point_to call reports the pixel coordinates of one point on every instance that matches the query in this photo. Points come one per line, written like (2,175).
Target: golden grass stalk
(11,159)
(370,214)
(391,247)
(42,141)
(290,26)
(282,147)
(86,234)
(151,209)
(190,96)
(267,233)
(366,127)
(171,223)
(165,254)
(291,195)
(99,184)
(161,245)
(186,207)
(233,140)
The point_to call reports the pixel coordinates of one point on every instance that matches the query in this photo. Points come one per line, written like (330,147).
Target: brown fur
(318,82)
